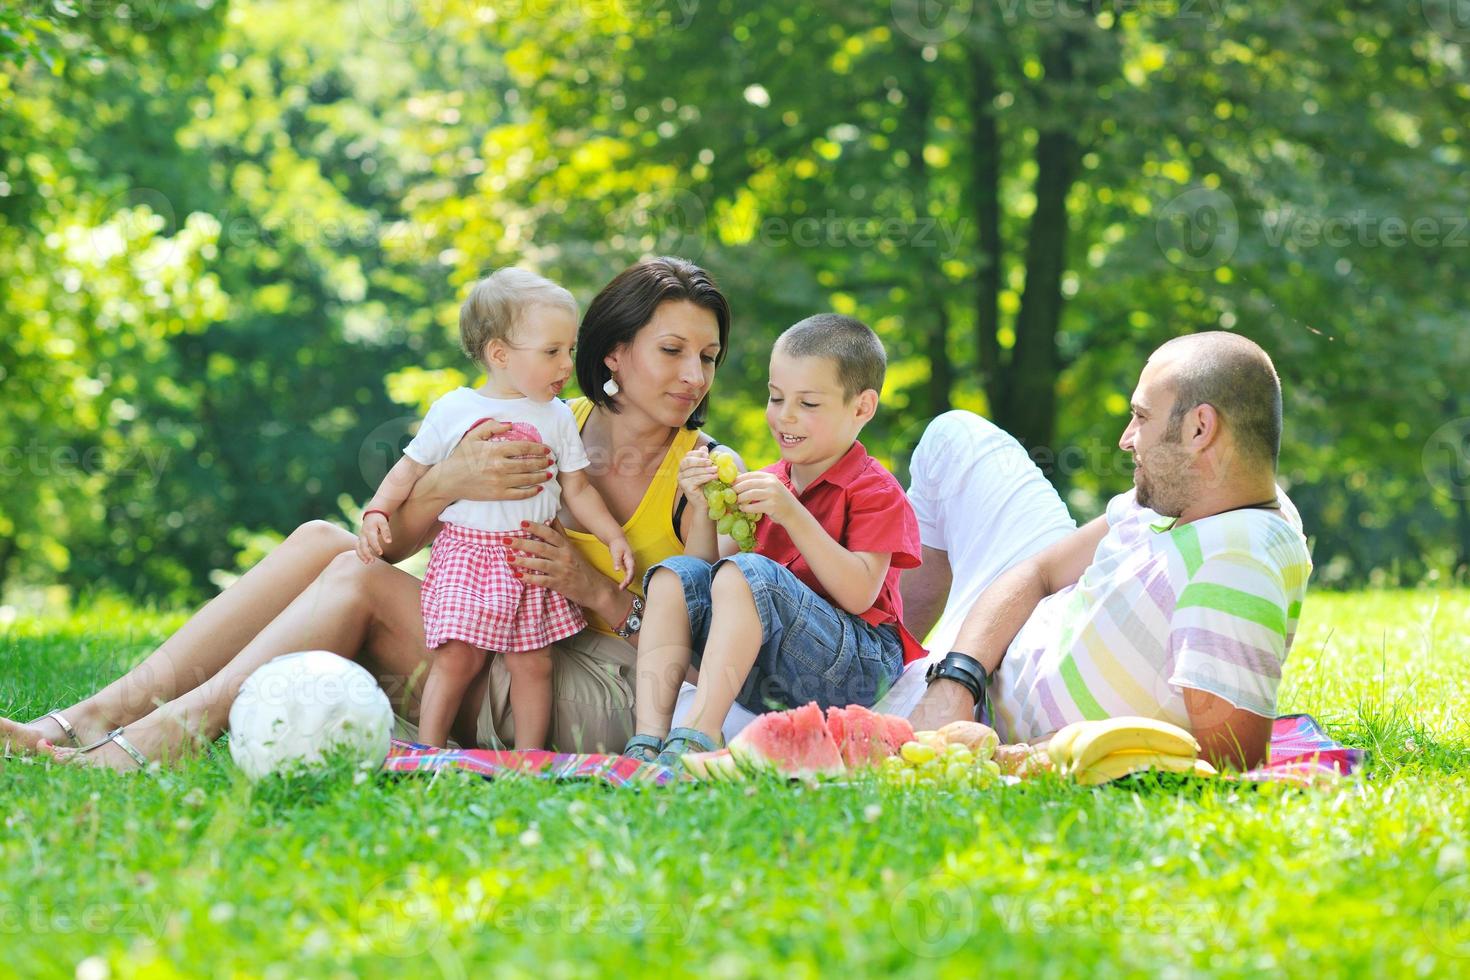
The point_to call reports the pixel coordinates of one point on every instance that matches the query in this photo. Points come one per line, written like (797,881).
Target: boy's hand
(622,557)
(759,492)
(372,537)
(695,470)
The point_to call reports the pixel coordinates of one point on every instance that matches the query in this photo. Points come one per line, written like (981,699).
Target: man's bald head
(1236,377)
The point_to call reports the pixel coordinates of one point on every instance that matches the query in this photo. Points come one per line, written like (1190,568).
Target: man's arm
(1001,611)
(925,591)
(1229,737)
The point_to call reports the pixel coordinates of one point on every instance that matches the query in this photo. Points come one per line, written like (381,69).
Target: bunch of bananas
(720,496)
(1095,752)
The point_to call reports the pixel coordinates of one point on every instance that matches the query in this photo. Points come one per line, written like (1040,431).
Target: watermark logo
(137,214)
(934,916)
(1447,916)
(1450,19)
(932,21)
(1199,229)
(678,223)
(1446,459)
(401,21)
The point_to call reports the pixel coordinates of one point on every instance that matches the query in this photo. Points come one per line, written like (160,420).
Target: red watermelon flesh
(796,743)
(866,738)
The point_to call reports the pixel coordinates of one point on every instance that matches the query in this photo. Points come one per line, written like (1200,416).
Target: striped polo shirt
(1212,605)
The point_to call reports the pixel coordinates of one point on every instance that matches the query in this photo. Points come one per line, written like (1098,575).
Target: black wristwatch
(964,670)
(634,621)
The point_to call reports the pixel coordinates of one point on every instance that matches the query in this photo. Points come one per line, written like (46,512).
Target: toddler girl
(522,329)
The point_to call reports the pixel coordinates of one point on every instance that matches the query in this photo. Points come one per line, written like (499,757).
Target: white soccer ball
(294,710)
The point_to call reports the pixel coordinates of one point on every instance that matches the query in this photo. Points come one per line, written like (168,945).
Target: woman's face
(667,368)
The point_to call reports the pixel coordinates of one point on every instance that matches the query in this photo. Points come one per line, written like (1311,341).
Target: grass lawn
(195,873)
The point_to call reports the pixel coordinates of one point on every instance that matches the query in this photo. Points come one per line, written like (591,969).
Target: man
(1181,602)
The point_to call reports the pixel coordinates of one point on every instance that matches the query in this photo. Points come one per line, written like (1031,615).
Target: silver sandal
(64,725)
(116,738)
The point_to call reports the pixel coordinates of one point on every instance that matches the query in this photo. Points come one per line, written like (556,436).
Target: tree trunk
(1031,407)
(985,150)
(936,318)
(7,554)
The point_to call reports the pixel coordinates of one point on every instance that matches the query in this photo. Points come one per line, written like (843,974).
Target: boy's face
(538,357)
(808,414)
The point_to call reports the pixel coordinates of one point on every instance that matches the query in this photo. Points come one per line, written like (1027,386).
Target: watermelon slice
(796,743)
(713,767)
(864,737)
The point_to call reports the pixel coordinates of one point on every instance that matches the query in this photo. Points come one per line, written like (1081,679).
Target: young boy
(813,614)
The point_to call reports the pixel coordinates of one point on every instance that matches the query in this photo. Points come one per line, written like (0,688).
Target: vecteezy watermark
(1447,916)
(142,15)
(1362,228)
(34,917)
(1206,11)
(410,21)
(1446,459)
(66,462)
(1450,19)
(934,916)
(1198,230)
(833,230)
(408,915)
(383,447)
(1175,919)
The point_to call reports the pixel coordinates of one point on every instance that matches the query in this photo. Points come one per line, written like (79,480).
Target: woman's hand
(482,469)
(549,560)
(695,470)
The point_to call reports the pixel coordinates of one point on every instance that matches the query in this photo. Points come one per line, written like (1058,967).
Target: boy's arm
(852,578)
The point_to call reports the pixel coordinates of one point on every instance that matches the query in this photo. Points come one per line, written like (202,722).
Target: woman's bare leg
(203,645)
(363,612)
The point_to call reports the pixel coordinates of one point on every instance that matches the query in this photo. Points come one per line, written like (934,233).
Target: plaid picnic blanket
(1301,753)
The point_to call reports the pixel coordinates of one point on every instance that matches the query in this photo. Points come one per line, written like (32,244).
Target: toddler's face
(807,412)
(538,358)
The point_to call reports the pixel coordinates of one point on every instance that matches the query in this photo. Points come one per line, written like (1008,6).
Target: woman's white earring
(610,386)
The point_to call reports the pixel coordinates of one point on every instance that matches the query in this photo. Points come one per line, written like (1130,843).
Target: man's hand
(764,493)
(944,702)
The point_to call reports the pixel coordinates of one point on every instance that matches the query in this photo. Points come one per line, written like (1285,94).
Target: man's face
(1162,466)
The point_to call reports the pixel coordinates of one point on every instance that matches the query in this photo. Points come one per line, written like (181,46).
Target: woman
(647,352)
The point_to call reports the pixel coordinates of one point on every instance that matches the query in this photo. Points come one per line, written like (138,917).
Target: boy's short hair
(861,360)
(497,303)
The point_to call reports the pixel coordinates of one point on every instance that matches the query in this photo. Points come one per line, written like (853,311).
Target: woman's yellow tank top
(650,530)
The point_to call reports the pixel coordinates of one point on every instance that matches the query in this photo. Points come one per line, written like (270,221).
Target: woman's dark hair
(625,306)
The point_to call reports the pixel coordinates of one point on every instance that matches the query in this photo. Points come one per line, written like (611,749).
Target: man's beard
(1162,480)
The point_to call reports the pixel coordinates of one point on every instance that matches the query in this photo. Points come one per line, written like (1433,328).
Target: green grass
(196,873)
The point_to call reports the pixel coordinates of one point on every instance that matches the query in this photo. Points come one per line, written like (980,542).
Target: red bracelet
(386,515)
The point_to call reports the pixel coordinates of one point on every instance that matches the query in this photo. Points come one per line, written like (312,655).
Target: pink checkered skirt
(470,593)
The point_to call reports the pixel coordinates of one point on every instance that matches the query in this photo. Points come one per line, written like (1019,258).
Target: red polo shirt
(864,508)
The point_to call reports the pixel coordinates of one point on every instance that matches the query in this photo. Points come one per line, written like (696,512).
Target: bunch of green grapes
(925,763)
(720,496)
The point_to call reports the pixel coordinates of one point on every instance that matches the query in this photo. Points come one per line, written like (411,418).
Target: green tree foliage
(236,236)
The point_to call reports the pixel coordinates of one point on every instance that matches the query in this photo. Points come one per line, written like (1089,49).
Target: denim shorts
(810,650)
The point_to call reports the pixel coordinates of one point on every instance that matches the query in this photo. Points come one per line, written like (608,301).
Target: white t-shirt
(979,497)
(548,422)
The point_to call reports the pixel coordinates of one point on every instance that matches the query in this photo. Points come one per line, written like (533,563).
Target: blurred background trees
(234,236)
